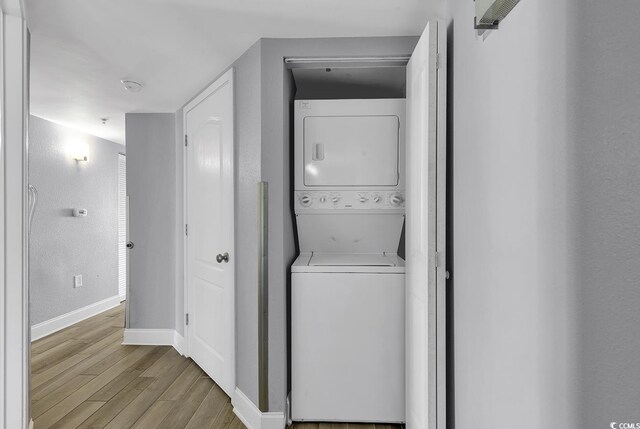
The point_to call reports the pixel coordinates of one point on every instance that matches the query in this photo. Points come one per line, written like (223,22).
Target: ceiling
(80,50)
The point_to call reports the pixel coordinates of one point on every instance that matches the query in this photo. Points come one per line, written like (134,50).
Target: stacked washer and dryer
(347,292)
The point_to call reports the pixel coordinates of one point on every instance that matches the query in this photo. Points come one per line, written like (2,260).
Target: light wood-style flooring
(82,377)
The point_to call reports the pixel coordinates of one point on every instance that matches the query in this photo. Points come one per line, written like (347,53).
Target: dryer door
(351,150)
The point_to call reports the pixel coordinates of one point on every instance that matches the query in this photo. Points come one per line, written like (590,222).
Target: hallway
(82,377)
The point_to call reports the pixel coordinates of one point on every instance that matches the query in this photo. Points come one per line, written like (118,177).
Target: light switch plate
(77,281)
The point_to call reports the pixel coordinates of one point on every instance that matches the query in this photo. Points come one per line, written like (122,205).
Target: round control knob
(335,199)
(305,200)
(376,199)
(363,199)
(323,199)
(396,199)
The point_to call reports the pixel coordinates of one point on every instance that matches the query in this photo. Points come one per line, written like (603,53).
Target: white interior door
(425,234)
(210,291)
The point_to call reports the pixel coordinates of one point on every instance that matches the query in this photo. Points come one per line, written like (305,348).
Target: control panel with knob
(396,199)
(305,200)
(349,200)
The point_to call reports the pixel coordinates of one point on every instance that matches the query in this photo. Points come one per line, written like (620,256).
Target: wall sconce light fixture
(79,151)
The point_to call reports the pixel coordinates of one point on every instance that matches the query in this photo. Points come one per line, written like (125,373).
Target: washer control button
(396,199)
(305,200)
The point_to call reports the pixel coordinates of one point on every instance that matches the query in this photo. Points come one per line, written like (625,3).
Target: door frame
(226,77)
(15,329)
(126,239)
(441,228)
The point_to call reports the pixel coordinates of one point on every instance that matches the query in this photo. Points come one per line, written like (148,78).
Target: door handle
(130,245)
(222,257)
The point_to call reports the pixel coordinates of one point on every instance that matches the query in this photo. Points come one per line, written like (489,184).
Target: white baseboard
(154,337)
(252,417)
(148,337)
(57,323)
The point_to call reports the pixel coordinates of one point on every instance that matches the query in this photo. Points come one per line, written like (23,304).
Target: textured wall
(546,233)
(248,152)
(62,245)
(151,186)
(513,157)
(604,87)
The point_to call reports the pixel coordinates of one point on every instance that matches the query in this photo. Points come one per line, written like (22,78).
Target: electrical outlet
(77,281)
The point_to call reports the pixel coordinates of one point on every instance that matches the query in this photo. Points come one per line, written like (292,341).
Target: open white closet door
(425,232)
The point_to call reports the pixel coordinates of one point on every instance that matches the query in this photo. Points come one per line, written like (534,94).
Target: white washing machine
(347,294)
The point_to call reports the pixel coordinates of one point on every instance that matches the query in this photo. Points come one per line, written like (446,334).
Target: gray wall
(546,233)
(604,153)
(248,153)
(152,190)
(62,245)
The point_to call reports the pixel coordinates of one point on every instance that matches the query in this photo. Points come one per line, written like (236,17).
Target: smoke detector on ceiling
(132,85)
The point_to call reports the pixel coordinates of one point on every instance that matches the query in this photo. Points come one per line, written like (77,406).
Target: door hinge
(186,140)
(186,229)
(186,318)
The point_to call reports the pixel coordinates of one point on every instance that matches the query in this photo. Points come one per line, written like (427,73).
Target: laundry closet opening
(341,78)
(347,289)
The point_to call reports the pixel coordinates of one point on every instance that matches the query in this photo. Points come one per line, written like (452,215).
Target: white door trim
(14,297)
(122,226)
(426,241)
(222,80)
(441,230)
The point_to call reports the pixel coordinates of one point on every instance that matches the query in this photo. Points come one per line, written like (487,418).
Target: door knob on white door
(222,257)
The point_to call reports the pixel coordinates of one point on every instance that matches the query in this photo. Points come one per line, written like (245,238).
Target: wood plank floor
(82,377)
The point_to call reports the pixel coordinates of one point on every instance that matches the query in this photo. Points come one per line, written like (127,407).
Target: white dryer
(347,294)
